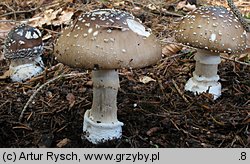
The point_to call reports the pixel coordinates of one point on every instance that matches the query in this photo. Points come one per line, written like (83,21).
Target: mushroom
(23,47)
(103,41)
(212,30)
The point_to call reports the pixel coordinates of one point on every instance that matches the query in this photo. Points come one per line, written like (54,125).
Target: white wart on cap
(107,39)
(212,28)
(23,41)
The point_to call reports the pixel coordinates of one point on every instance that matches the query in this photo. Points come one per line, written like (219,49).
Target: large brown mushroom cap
(212,28)
(23,41)
(107,39)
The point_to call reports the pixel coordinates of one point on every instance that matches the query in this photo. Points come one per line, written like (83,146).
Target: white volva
(21,72)
(205,78)
(100,122)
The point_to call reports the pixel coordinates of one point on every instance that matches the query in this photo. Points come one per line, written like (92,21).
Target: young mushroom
(212,30)
(103,41)
(23,47)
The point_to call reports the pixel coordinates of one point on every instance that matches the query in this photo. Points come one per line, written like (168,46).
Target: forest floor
(152,103)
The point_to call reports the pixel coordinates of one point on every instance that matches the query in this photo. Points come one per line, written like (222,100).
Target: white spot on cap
(28,35)
(35,36)
(95,33)
(109,31)
(21,42)
(100,12)
(137,27)
(87,24)
(214,25)
(93,38)
(90,30)
(97,26)
(212,37)
(20,33)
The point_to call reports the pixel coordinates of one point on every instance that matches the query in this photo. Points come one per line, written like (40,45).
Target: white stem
(205,76)
(105,88)
(206,66)
(23,69)
(100,122)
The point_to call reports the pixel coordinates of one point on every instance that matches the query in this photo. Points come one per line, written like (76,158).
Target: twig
(236,61)
(7,101)
(18,12)
(9,21)
(42,86)
(217,122)
(175,125)
(174,56)
(179,91)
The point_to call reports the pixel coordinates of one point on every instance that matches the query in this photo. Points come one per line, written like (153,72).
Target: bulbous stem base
(24,69)
(100,122)
(205,78)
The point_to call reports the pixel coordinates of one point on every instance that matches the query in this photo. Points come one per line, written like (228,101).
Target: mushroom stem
(25,68)
(205,76)
(105,89)
(100,122)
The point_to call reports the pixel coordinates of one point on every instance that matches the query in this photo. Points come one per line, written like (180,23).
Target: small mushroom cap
(212,28)
(23,41)
(107,39)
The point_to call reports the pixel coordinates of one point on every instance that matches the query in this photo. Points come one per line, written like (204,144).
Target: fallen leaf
(153,130)
(5,27)
(6,75)
(243,57)
(171,49)
(151,7)
(186,6)
(63,142)
(71,98)
(52,17)
(146,79)
(119,3)
(64,17)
